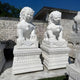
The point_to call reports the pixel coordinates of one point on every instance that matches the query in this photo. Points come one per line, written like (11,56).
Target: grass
(56,78)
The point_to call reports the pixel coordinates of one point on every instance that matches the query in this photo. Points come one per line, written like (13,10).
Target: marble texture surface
(55,58)
(73,70)
(26,29)
(26,60)
(55,50)
(26,52)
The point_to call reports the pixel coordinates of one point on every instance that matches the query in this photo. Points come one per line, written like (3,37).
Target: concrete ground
(7,73)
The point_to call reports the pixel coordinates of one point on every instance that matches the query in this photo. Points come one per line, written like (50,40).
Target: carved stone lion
(25,29)
(54,29)
(76,26)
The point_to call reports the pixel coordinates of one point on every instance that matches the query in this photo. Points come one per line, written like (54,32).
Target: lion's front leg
(20,39)
(33,36)
(51,35)
(60,37)
(45,36)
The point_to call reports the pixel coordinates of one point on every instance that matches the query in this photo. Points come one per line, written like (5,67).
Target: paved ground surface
(7,73)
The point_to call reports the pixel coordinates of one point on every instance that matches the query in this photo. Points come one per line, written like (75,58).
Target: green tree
(15,11)
(6,10)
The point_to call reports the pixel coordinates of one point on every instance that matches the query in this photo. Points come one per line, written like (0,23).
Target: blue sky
(38,4)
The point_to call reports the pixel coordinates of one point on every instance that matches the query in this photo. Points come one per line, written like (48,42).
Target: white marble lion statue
(54,29)
(25,28)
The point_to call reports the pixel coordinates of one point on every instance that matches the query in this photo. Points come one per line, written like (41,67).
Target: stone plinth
(55,57)
(7,73)
(73,72)
(26,60)
(2,59)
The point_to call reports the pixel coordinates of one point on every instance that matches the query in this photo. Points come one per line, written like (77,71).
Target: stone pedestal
(2,59)
(26,60)
(73,72)
(55,56)
(7,74)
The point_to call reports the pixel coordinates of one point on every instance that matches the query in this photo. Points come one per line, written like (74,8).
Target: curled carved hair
(53,15)
(24,12)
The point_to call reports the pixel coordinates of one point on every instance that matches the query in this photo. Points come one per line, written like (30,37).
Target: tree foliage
(6,10)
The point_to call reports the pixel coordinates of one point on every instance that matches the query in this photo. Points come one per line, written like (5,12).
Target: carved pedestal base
(26,60)
(73,72)
(55,57)
(55,61)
